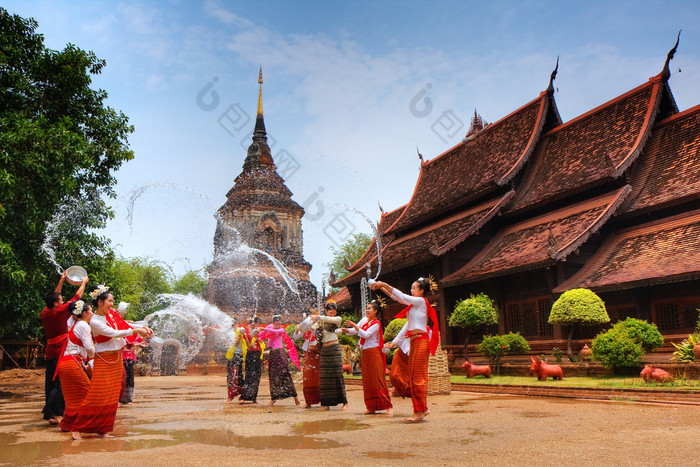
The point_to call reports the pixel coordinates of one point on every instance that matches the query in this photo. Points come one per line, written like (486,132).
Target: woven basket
(439,373)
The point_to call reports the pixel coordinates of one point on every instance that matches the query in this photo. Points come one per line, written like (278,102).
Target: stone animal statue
(543,370)
(475,370)
(347,369)
(650,372)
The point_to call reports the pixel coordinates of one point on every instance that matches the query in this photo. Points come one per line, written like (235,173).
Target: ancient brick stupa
(258,265)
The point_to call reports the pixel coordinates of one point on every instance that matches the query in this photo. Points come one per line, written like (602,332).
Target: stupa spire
(260,81)
(259,132)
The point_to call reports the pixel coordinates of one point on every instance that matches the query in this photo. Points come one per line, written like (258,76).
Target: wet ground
(183,420)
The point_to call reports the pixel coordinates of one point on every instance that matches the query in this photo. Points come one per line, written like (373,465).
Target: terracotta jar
(696,352)
(586,353)
(450,357)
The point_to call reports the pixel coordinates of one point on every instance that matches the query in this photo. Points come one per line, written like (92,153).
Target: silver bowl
(75,275)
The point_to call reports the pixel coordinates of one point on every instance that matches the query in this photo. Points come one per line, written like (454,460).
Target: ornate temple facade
(530,206)
(259,266)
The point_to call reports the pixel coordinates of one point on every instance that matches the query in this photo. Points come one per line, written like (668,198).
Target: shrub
(495,347)
(616,348)
(646,334)
(684,350)
(393,328)
(473,313)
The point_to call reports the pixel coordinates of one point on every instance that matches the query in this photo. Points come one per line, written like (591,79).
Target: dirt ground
(184,420)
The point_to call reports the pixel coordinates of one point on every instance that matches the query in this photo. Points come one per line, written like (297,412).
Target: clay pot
(696,352)
(586,353)
(450,357)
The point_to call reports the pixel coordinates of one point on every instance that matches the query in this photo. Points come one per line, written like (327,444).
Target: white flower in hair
(79,305)
(99,291)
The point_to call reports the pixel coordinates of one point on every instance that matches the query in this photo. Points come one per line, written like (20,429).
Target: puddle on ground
(538,414)
(387,455)
(320,426)
(475,434)
(461,411)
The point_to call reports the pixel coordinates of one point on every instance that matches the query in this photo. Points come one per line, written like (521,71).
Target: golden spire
(260,81)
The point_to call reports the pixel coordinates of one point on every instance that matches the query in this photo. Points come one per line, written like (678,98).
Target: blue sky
(351,88)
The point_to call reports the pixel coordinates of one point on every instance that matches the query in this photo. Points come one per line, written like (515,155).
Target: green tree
(472,314)
(495,347)
(59,147)
(624,344)
(393,328)
(192,281)
(350,251)
(578,307)
(138,281)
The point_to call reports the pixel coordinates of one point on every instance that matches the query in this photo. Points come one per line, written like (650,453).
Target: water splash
(188,320)
(137,193)
(377,238)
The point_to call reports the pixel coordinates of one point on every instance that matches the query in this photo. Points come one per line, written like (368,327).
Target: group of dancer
(322,370)
(84,359)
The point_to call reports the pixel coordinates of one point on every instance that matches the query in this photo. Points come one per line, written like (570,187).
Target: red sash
(115,322)
(56,339)
(435,339)
(74,339)
(368,325)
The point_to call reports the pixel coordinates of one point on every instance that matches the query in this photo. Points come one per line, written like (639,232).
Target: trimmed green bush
(472,313)
(616,348)
(646,334)
(393,328)
(578,306)
(495,347)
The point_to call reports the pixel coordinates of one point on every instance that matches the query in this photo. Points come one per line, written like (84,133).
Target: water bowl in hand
(75,275)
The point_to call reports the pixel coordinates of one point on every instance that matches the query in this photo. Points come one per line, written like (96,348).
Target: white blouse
(404,342)
(330,336)
(371,335)
(418,314)
(82,332)
(99,327)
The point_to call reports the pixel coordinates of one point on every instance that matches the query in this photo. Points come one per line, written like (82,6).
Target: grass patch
(582,382)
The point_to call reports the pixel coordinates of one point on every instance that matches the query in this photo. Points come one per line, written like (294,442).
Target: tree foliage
(472,313)
(352,250)
(393,328)
(59,147)
(495,347)
(578,306)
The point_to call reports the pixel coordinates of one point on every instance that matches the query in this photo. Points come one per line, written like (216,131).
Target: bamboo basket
(439,381)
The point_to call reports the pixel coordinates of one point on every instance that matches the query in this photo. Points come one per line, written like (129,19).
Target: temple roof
(663,251)
(342,299)
(261,188)
(669,172)
(540,241)
(433,240)
(481,163)
(591,149)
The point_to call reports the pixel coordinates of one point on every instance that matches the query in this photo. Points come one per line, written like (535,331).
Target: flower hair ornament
(99,291)
(381,302)
(431,281)
(78,310)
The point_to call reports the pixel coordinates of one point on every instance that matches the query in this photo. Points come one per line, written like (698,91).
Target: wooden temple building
(530,206)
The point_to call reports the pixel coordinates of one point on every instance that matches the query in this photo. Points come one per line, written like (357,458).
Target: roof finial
(666,72)
(420,156)
(260,81)
(550,88)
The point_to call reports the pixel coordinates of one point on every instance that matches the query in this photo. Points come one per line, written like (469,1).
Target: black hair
(255,320)
(72,305)
(331,306)
(51,297)
(424,284)
(277,318)
(101,297)
(376,305)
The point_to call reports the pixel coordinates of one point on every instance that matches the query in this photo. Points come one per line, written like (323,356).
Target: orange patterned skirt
(400,375)
(312,376)
(75,384)
(418,370)
(99,409)
(374,380)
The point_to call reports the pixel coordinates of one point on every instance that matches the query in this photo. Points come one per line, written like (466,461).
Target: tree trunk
(466,347)
(569,352)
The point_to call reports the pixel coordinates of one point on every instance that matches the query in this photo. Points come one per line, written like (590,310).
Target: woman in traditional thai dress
(373,360)
(400,373)
(252,350)
(72,366)
(99,409)
(312,363)
(234,365)
(281,383)
(422,346)
(332,382)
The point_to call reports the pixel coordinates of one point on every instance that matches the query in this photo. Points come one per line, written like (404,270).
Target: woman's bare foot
(54,421)
(417,417)
(324,409)
(425,414)
(296,401)
(272,402)
(241,401)
(390,412)
(228,401)
(369,412)
(308,406)
(345,407)
(105,435)
(75,435)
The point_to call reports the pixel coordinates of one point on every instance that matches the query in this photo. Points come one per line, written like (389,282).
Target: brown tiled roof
(482,162)
(342,299)
(662,251)
(385,222)
(668,172)
(433,240)
(594,147)
(540,241)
